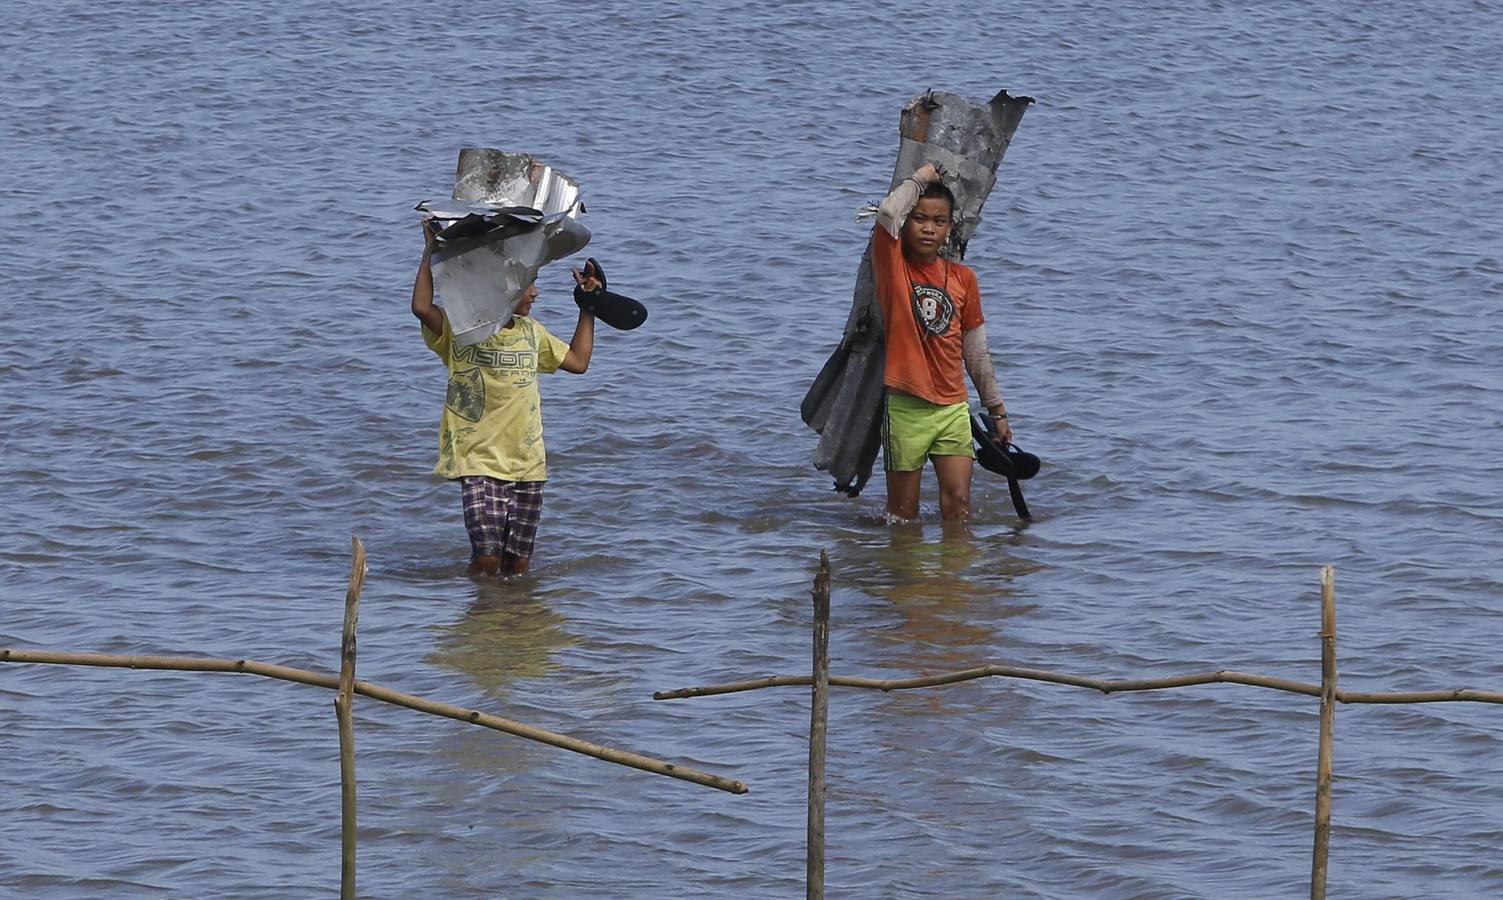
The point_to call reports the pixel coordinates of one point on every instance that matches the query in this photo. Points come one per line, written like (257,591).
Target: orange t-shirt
(925,309)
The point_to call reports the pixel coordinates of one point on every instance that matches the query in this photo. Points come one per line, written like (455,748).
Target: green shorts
(913,430)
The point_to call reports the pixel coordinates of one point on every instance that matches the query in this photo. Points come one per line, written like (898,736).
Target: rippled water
(1242,269)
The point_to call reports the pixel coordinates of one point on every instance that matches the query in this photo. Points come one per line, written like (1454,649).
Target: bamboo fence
(346,686)
(1327,690)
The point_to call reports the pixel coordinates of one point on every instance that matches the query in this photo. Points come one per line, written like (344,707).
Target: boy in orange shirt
(931,307)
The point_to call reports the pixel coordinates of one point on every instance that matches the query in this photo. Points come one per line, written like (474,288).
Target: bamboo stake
(1321,856)
(344,710)
(376,692)
(818,722)
(1105,686)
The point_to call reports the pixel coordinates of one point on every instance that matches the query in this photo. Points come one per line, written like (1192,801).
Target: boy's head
(524,303)
(927,227)
(938,189)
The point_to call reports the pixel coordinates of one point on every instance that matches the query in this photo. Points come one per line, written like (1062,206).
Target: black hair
(937,189)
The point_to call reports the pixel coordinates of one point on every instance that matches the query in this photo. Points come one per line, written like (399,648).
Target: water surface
(1241,271)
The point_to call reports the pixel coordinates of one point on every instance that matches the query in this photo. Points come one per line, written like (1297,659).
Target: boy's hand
(589,283)
(928,173)
(1001,430)
(430,232)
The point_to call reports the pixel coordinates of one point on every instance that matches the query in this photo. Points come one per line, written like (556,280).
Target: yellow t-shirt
(492,422)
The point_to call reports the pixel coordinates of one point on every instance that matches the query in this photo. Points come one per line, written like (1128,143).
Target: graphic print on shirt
(932,308)
(466,395)
(512,361)
(512,355)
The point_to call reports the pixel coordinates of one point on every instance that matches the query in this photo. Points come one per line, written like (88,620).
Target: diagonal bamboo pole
(1104,685)
(1321,856)
(819,706)
(344,703)
(376,692)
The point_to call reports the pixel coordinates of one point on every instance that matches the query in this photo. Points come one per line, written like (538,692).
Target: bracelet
(999,415)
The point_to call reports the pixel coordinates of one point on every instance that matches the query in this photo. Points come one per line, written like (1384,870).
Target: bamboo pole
(1321,855)
(344,703)
(376,692)
(1105,686)
(814,885)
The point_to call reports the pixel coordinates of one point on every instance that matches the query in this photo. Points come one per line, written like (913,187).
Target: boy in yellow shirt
(491,429)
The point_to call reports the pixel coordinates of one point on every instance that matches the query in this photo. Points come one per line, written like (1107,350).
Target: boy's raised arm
(893,210)
(582,345)
(422,288)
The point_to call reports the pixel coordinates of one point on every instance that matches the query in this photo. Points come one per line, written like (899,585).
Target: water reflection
(507,636)
(950,596)
(507,633)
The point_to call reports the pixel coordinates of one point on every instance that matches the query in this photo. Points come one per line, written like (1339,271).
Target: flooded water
(1242,270)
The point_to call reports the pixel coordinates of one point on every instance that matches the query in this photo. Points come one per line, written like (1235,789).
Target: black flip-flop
(618,311)
(1005,459)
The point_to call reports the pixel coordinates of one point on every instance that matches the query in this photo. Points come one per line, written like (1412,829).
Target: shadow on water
(507,633)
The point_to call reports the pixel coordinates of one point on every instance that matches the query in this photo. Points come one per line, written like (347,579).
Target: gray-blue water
(1242,271)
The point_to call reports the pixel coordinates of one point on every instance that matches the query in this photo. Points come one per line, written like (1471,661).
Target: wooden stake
(818,721)
(344,710)
(1327,733)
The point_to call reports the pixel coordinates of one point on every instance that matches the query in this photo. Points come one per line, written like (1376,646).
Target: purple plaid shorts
(501,516)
